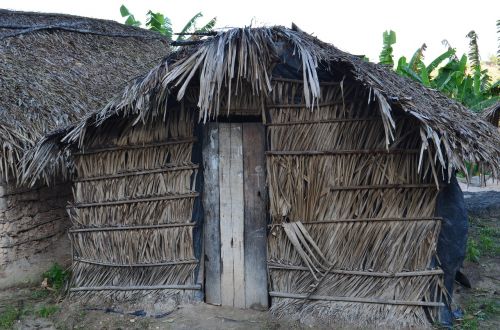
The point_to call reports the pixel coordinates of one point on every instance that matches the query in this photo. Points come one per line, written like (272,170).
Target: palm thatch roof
(242,62)
(492,114)
(56,68)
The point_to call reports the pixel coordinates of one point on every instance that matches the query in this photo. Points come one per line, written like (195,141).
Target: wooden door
(234,198)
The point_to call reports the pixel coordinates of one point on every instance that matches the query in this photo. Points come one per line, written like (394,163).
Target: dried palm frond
(353,230)
(132,234)
(239,63)
(56,69)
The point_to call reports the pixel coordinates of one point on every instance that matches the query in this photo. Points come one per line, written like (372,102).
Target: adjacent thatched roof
(243,61)
(492,114)
(56,68)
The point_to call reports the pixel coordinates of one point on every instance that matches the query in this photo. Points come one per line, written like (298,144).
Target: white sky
(355,26)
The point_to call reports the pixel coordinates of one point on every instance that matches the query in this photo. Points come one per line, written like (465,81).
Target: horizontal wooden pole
(209,33)
(155,264)
(324,121)
(294,106)
(166,225)
(131,288)
(135,146)
(301,81)
(138,200)
(385,186)
(340,152)
(142,172)
(430,272)
(355,299)
(325,222)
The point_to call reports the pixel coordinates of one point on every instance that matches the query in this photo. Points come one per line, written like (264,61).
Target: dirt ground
(33,307)
(185,317)
(479,306)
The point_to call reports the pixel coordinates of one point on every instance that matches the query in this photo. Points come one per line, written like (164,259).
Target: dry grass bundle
(328,136)
(97,275)
(390,246)
(316,188)
(122,160)
(291,92)
(143,213)
(342,112)
(177,124)
(138,298)
(240,61)
(132,234)
(135,246)
(238,103)
(347,212)
(58,68)
(337,135)
(352,314)
(492,114)
(135,185)
(403,288)
(355,169)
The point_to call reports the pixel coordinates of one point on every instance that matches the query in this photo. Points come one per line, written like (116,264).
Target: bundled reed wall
(132,228)
(353,230)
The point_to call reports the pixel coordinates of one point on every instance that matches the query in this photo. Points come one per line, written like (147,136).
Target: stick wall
(366,212)
(132,228)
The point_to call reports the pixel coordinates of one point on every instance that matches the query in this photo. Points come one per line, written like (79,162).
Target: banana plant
(161,23)
(448,73)
(386,57)
(130,18)
(191,27)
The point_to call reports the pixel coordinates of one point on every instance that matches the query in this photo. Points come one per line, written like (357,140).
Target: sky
(355,26)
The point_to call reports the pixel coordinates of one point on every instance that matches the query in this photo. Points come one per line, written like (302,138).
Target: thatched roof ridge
(492,114)
(246,57)
(56,68)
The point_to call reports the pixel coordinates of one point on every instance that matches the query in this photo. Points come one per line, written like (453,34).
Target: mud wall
(33,225)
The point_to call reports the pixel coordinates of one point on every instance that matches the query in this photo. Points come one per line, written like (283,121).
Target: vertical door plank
(237,215)
(226,225)
(210,197)
(255,216)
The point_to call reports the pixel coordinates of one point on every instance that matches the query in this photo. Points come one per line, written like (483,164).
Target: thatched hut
(54,70)
(262,162)
(492,114)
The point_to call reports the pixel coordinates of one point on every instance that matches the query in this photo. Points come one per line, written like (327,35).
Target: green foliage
(56,276)
(486,243)
(47,310)
(162,24)
(386,57)
(191,27)
(498,40)
(489,241)
(473,253)
(477,309)
(40,294)
(469,323)
(468,84)
(208,27)
(159,23)
(8,317)
(130,18)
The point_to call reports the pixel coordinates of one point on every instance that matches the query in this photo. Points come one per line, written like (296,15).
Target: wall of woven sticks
(132,227)
(353,230)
